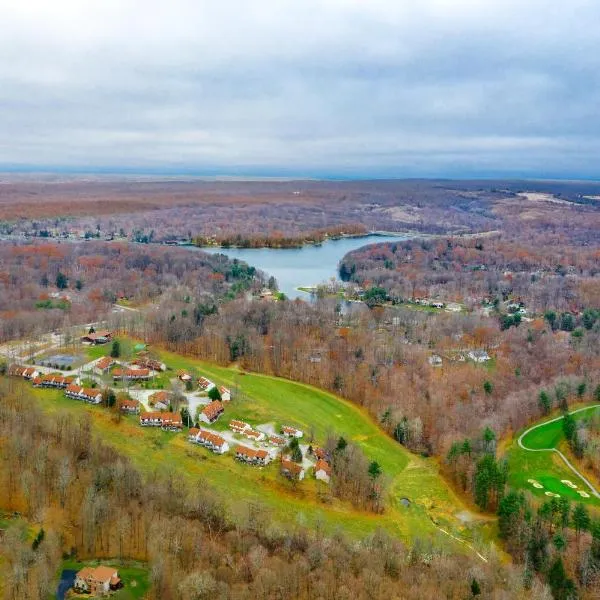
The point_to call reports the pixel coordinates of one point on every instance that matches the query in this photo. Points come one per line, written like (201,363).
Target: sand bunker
(552,494)
(535,484)
(569,483)
(583,494)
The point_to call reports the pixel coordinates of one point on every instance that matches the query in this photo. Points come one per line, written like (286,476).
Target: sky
(348,88)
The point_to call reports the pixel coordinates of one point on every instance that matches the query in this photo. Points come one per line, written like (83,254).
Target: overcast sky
(302,87)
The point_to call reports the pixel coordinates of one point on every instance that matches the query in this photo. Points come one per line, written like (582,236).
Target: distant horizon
(282,175)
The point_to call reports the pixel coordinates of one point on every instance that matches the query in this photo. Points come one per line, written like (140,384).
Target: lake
(305,266)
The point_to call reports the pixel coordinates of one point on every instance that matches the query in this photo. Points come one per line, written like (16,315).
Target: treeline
(277,239)
(541,273)
(379,359)
(44,286)
(92,503)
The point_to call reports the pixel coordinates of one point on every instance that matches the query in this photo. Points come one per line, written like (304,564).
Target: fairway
(534,464)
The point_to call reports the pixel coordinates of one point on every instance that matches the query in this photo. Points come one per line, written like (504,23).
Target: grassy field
(263,399)
(546,468)
(133,575)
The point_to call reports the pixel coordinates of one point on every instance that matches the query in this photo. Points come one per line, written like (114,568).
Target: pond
(67,579)
(306,266)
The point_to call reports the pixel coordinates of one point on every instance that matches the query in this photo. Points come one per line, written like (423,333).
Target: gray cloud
(340,87)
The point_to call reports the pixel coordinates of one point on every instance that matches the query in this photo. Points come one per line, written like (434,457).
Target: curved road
(566,461)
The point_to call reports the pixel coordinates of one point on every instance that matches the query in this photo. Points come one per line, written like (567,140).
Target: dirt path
(564,458)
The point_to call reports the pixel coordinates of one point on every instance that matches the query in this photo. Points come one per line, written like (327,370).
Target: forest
(520,263)
(45,285)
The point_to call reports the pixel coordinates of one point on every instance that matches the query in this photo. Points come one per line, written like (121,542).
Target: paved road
(564,458)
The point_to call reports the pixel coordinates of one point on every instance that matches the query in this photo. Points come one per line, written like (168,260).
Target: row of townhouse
(22,371)
(209,440)
(246,430)
(165,420)
(252,456)
(131,374)
(54,381)
(91,395)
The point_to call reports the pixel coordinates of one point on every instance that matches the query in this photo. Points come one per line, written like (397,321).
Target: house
(291,431)
(238,426)
(103,365)
(205,384)
(225,394)
(97,581)
(210,440)
(435,360)
(321,454)
(149,363)
(166,420)
(291,470)
(251,456)
(131,374)
(211,412)
(322,470)
(91,395)
(127,405)
(256,436)
(97,337)
(277,441)
(184,376)
(479,356)
(160,400)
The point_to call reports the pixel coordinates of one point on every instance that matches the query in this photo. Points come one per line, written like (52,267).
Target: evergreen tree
(581,519)
(214,393)
(545,402)
(115,350)
(61,281)
(374,470)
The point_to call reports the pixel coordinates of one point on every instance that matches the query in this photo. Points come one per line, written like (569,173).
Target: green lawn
(546,468)
(264,399)
(133,575)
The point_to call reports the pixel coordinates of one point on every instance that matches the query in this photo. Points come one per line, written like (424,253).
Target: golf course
(540,462)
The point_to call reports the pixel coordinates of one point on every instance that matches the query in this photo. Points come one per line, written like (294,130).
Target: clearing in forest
(263,399)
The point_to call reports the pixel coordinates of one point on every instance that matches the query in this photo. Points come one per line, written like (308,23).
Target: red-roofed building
(131,374)
(130,406)
(210,440)
(251,456)
(205,384)
(211,412)
(291,431)
(322,470)
(165,420)
(291,469)
(103,365)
